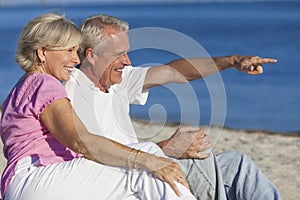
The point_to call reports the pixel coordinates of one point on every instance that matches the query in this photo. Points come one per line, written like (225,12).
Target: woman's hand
(170,172)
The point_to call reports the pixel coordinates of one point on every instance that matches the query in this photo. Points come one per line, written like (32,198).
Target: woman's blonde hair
(49,31)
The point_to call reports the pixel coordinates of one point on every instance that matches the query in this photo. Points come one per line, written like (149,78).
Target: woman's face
(60,63)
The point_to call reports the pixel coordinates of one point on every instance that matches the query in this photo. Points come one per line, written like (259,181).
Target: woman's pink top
(22,131)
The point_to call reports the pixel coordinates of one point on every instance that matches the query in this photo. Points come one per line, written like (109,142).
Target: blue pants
(228,175)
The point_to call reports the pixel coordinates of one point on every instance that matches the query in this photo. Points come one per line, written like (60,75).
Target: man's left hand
(187,142)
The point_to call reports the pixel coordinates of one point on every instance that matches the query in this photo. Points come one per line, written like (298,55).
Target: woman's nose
(76,59)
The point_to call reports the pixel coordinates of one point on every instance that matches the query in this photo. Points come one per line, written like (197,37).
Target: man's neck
(90,74)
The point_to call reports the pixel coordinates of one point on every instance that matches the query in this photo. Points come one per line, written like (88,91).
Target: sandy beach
(275,154)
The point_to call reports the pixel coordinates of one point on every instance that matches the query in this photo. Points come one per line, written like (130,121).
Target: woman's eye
(72,49)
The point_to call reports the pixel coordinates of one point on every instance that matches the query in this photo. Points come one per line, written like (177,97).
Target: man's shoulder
(78,77)
(76,80)
(129,70)
(76,73)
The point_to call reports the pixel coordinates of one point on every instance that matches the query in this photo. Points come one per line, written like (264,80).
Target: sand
(276,154)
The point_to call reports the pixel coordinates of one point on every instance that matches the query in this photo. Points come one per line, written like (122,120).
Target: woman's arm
(65,125)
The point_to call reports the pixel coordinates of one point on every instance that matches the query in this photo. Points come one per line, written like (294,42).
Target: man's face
(114,58)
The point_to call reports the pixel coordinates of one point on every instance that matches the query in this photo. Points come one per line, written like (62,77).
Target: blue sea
(230,98)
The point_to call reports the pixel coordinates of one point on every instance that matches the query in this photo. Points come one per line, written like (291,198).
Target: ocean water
(231,98)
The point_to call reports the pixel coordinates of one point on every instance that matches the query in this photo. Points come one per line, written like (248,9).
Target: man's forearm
(189,69)
(195,68)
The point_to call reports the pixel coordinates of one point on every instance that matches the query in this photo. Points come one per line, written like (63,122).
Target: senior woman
(50,154)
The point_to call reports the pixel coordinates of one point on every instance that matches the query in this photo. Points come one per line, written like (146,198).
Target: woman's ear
(41,55)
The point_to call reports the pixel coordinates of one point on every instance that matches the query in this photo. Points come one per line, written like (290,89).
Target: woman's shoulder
(34,92)
(38,80)
(42,84)
(40,77)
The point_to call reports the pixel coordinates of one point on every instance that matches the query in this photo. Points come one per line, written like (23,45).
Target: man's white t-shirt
(107,114)
(104,113)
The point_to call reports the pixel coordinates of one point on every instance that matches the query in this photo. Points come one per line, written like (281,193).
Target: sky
(37,2)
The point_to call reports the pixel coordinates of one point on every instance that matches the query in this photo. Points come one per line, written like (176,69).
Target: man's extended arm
(184,70)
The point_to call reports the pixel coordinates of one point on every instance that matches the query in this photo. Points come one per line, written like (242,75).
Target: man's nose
(125,59)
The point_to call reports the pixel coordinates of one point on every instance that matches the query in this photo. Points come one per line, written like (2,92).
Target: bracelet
(128,158)
(138,151)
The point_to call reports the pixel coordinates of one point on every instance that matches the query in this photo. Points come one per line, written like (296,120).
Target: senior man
(106,83)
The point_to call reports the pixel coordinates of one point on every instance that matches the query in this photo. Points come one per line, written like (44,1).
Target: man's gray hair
(93,32)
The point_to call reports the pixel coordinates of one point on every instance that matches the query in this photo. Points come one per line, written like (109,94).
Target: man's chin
(117,81)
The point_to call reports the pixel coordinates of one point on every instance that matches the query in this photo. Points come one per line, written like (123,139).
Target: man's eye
(120,54)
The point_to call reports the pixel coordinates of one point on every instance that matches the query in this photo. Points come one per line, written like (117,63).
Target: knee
(241,156)
(234,158)
(236,155)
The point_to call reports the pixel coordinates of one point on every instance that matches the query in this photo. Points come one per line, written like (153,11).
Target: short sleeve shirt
(107,114)
(22,132)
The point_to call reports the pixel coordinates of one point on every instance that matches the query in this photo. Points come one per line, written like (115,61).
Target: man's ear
(89,54)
